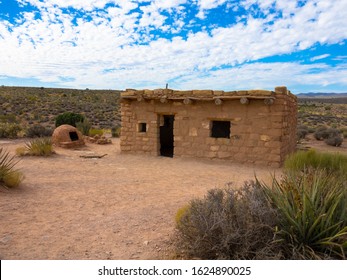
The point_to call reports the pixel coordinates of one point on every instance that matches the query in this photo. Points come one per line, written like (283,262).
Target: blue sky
(189,44)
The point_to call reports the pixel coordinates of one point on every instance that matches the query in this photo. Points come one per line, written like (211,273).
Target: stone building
(249,126)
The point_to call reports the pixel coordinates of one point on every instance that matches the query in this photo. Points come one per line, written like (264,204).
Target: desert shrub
(228,224)
(68,118)
(9,176)
(301,132)
(95,131)
(331,136)
(327,108)
(9,130)
(312,209)
(303,160)
(321,133)
(38,130)
(37,147)
(115,131)
(334,140)
(84,126)
(10,118)
(325,133)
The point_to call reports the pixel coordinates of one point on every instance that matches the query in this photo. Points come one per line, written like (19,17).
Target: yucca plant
(37,147)
(9,177)
(313,214)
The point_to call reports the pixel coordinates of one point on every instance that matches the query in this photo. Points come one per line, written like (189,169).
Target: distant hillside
(30,105)
(324,95)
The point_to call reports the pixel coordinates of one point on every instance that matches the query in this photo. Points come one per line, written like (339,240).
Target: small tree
(69,118)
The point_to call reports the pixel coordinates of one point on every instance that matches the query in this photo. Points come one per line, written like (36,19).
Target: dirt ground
(116,207)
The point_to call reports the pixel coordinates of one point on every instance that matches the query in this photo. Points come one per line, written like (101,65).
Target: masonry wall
(260,134)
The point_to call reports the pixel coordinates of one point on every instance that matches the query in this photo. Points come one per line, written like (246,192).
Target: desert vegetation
(303,215)
(326,119)
(9,176)
(25,109)
(37,147)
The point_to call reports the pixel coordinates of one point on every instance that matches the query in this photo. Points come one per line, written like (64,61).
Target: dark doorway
(167,136)
(73,135)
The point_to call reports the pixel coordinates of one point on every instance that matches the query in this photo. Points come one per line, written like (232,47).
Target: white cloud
(268,76)
(105,51)
(319,57)
(76,4)
(205,5)
(168,4)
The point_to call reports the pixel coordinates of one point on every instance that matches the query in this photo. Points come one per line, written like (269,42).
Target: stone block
(218,92)
(223,154)
(223,141)
(265,138)
(203,92)
(258,92)
(205,124)
(281,90)
(210,154)
(214,148)
(193,131)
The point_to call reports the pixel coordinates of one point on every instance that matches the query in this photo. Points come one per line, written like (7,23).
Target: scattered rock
(5,239)
(97,139)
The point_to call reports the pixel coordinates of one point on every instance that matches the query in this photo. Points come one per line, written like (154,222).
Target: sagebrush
(228,224)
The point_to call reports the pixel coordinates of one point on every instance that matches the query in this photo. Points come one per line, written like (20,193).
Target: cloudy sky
(189,44)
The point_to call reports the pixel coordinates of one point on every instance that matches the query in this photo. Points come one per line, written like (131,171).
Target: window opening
(142,127)
(220,129)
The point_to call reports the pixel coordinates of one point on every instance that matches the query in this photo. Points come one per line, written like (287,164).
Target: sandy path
(117,207)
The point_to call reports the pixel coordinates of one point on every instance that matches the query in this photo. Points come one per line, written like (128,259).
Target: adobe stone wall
(263,124)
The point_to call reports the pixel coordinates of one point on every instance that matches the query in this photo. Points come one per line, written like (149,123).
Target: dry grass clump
(37,147)
(303,160)
(9,176)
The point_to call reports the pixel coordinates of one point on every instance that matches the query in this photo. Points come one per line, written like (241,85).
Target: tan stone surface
(260,133)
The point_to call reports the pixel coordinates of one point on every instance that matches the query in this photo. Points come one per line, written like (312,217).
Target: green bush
(37,147)
(9,130)
(312,214)
(38,130)
(9,177)
(68,118)
(228,224)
